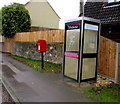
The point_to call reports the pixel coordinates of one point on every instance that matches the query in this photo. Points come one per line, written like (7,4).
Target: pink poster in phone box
(75,55)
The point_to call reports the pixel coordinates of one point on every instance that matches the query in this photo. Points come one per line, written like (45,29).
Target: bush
(15,18)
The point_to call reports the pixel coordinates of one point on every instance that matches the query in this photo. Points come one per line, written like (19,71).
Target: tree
(15,18)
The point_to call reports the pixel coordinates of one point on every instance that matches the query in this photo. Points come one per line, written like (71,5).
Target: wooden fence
(119,70)
(51,36)
(107,57)
(107,53)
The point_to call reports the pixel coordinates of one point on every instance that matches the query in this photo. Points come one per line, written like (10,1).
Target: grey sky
(66,9)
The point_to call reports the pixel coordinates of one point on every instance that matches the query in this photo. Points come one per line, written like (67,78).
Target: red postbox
(41,45)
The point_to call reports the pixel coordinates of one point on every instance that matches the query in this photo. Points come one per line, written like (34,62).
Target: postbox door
(41,46)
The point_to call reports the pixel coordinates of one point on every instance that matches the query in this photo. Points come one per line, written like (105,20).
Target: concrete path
(33,86)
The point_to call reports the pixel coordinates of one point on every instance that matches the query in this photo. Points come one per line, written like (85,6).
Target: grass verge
(107,93)
(36,64)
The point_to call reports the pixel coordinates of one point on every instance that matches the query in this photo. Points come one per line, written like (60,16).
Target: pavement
(32,86)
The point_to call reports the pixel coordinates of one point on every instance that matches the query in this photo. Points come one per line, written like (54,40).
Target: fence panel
(107,57)
(119,70)
(51,36)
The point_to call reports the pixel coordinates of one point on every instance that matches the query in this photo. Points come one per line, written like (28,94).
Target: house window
(109,1)
(112,3)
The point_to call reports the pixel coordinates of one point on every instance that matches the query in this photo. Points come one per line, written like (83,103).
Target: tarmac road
(0,77)
(33,86)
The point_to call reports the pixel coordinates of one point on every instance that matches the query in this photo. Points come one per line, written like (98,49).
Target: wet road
(0,65)
(32,86)
(0,77)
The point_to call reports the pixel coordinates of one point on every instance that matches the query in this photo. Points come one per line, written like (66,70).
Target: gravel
(102,81)
(6,96)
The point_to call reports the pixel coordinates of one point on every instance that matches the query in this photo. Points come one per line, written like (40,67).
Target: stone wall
(53,54)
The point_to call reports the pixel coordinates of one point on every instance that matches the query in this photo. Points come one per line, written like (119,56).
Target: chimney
(81,8)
